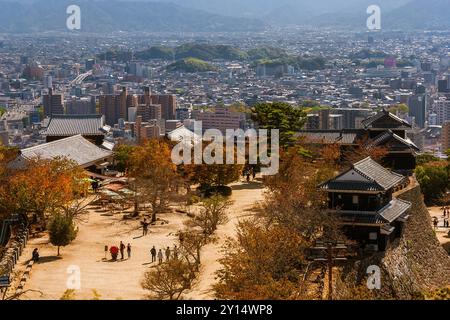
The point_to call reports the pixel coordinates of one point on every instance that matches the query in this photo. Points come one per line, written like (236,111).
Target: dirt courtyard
(442,233)
(121,279)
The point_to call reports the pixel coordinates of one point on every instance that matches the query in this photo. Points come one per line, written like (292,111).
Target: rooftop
(365,175)
(75,148)
(70,125)
(385,120)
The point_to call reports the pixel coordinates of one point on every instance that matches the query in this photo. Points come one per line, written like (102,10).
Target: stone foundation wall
(416,262)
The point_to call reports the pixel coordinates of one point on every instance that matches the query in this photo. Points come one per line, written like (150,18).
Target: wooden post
(330,272)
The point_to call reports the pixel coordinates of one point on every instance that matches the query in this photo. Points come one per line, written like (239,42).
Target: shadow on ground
(248,186)
(48,259)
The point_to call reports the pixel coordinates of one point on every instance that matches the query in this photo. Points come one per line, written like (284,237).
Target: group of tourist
(114,251)
(160,255)
(155,254)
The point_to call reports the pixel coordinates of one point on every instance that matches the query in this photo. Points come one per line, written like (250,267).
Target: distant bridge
(79,79)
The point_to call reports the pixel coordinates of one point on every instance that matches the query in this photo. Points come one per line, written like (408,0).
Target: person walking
(129,251)
(153,254)
(175,252)
(122,249)
(160,256)
(435,222)
(167,254)
(144,227)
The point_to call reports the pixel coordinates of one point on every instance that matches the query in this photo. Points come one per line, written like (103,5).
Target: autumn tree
(262,264)
(62,230)
(213,212)
(191,243)
(168,280)
(364,148)
(7,155)
(155,175)
(293,198)
(43,187)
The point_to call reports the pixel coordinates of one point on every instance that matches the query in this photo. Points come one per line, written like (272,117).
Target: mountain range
(218,15)
(111,15)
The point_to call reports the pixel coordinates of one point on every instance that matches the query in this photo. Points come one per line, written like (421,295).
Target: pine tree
(62,231)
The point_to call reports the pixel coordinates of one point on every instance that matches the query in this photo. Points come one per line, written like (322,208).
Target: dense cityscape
(359,208)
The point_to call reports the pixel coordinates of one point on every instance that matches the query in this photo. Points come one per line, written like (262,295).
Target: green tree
(425,158)
(278,115)
(122,157)
(62,230)
(434,180)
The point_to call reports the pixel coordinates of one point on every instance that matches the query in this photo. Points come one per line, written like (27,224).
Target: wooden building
(362,199)
(91,127)
(387,130)
(381,130)
(76,148)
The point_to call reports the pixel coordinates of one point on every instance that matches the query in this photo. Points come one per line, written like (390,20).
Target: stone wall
(414,263)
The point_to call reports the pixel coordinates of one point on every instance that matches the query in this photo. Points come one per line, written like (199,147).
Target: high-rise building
(48,81)
(147,130)
(222,119)
(115,106)
(443,86)
(184,113)
(442,109)
(81,106)
(53,103)
(417,109)
(352,117)
(168,103)
(445,136)
(109,107)
(149,112)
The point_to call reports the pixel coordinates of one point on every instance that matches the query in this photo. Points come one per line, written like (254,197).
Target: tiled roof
(70,125)
(328,137)
(394,210)
(380,178)
(385,114)
(377,173)
(386,136)
(74,148)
